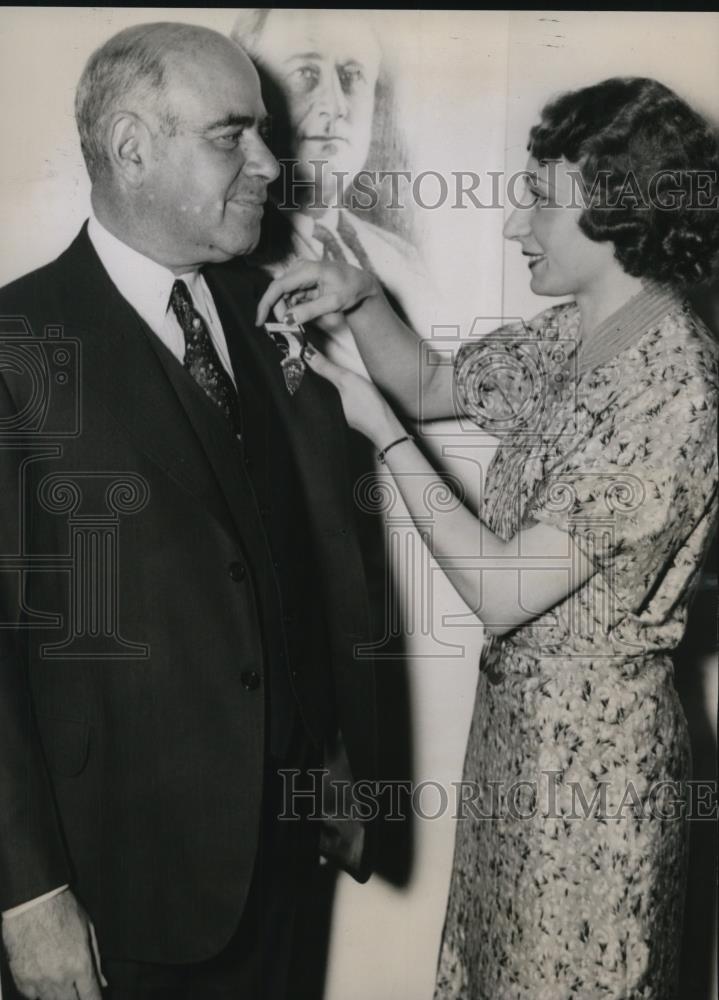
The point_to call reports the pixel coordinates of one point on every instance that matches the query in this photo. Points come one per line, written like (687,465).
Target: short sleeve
(498,376)
(636,493)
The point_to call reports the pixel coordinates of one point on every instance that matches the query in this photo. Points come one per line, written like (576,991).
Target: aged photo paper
(426,192)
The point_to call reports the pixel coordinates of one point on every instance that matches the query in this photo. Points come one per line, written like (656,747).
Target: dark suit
(131,766)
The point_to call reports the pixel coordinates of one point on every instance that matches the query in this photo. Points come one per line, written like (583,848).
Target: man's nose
(518,224)
(261,162)
(332,98)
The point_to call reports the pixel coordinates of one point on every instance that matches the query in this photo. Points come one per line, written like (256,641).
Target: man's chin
(238,246)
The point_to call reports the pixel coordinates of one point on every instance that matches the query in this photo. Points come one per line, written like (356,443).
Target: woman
(597,510)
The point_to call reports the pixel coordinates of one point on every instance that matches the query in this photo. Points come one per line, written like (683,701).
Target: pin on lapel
(290,339)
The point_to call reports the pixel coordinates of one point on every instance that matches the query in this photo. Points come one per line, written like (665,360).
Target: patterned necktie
(201,358)
(331,247)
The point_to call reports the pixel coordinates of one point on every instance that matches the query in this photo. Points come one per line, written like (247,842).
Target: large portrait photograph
(358,504)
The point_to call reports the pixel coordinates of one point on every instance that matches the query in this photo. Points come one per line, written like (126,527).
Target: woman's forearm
(392,352)
(504,583)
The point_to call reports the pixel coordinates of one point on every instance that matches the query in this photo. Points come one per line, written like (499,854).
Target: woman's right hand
(316,288)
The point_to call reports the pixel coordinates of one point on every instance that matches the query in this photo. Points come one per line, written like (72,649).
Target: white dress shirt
(146,285)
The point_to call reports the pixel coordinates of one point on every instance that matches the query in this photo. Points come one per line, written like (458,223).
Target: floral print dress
(569,867)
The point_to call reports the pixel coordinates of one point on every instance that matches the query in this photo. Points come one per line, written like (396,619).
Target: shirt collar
(143,282)
(626,325)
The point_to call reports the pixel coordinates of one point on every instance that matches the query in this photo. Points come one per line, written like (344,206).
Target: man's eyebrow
(243,121)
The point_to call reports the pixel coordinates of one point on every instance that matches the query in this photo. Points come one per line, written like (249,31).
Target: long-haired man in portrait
(335,131)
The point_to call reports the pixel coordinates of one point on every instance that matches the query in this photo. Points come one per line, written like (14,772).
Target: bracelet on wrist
(381,455)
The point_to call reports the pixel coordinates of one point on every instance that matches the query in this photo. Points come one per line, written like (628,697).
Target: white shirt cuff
(17,910)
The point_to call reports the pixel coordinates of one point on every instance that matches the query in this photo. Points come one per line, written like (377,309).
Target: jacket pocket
(66,744)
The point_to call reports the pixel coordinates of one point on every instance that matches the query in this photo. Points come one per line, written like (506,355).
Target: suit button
(237,571)
(250,680)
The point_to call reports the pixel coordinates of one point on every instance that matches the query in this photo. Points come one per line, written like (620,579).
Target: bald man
(144,734)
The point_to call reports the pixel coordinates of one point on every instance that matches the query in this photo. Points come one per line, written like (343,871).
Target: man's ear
(130,147)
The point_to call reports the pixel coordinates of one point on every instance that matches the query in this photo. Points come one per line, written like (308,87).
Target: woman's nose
(518,224)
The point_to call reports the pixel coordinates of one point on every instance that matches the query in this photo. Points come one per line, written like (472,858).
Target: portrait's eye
(303,79)
(265,130)
(351,77)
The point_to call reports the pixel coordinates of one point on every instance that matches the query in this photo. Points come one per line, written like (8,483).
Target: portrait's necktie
(350,238)
(332,248)
(201,358)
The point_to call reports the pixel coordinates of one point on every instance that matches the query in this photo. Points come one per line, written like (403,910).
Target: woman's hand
(366,409)
(316,289)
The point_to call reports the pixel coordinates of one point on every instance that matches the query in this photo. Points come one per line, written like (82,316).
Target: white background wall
(471,85)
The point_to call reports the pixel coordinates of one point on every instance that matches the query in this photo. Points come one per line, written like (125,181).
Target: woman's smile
(534,258)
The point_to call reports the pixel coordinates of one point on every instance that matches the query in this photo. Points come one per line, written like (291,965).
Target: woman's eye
(537,197)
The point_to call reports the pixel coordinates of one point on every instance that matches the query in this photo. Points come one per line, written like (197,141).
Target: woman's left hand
(365,408)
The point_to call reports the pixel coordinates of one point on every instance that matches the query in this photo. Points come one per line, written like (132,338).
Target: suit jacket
(132,698)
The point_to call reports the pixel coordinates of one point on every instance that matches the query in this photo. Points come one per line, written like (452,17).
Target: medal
(290,339)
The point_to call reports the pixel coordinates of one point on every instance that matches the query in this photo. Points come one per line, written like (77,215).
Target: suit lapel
(168,416)
(133,375)
(218,455)
(312,418)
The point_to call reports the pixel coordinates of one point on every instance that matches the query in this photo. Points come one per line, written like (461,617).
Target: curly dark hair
(649,165)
